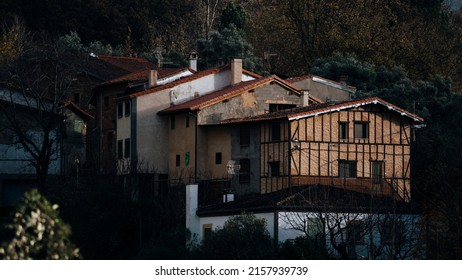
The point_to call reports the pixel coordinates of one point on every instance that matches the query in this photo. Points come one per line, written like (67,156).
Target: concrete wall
(324,89)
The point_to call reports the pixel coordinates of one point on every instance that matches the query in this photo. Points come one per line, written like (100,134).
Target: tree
(38,232)
(242,237)
(33,87)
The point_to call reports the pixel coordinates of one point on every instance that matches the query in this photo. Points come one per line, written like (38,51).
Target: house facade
(143,135)
(323,89)
(362,145)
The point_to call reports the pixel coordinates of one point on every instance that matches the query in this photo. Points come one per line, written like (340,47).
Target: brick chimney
(236,71)
(152,78)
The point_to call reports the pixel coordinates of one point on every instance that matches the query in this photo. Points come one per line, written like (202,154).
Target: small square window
(361,130)
(274,169)
(206,231)
(218,158)
(347,169)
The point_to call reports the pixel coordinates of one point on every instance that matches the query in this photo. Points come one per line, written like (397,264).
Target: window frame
(274,169)
(364,134)
(350,172)
(343,131)
(177,160)
(244,171)
(127,108)
(244,136)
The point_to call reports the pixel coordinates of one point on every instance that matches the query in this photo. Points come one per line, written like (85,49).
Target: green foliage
(233,15)
(38,232)
(224,45)
(242,237)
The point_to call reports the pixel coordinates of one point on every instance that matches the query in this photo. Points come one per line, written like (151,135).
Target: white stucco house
(350,225)
(142,135)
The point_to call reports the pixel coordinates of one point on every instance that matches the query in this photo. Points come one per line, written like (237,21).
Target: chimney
(236,71)
(306,98)
(152,78)
(193,57)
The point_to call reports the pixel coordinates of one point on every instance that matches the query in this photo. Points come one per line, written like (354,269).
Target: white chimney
(236,71)
(193,57)
(152,78)
(306,98)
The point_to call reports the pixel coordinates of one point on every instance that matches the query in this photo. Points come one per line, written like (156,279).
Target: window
(120,110)
(186,158)
(127,108)
(347,169)
(206,231)
(172,122)
(244,171)
(120,151)
(187,120)
(343,130)
(177,160)
(127,148)
(392,232)
(361,131)
(244,136)
(275,129)
(274,169)
(218,158)
(355,232)
(280,107)
(377,172)
(78,126)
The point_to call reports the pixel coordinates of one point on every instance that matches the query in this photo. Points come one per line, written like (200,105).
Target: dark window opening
(377,172)
(177,160)
(280,107)
(127,108)
(274,169)
(347,169)
(361,130)
(218,158)
(275,129)
(343,130)
(127,148)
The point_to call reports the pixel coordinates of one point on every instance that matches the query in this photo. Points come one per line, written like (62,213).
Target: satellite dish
(232,167)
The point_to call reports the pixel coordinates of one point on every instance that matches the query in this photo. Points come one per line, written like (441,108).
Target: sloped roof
(186,79)
(324,108)
(143,75)
(77,110)
(308,198)
(226,93)
(129,64)
(322,80)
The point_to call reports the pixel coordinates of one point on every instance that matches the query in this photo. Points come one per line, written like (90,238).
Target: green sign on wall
(186,159)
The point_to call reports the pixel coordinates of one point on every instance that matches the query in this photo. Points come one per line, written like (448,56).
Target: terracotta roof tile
(193,77)
(226,93)
(129,64)
(143,75)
